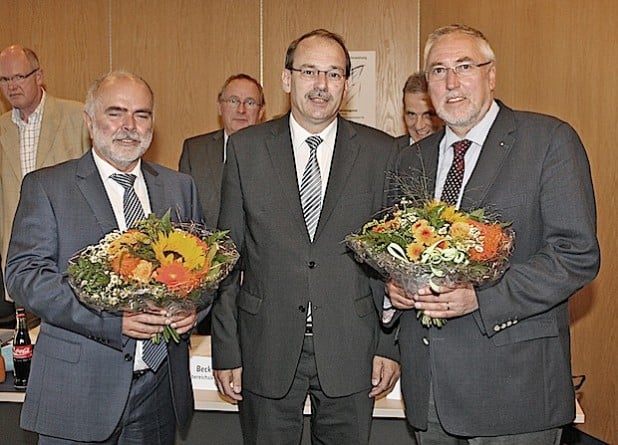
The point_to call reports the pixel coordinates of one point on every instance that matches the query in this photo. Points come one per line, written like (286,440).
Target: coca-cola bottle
(22,351)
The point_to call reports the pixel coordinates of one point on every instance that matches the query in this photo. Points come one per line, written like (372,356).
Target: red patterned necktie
(454,178)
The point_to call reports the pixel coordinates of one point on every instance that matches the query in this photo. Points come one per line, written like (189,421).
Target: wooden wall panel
(69,38)
(388,28)
(185,50)
(557,57)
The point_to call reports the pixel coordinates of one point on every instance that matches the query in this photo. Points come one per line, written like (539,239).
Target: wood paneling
(557,57)
(70,39)
(185,50)
(388,28)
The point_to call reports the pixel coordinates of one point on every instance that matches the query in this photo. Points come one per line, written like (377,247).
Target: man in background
(39,131)
(240,104)
(418,112)
(305,319)
(92,377)
(499,371)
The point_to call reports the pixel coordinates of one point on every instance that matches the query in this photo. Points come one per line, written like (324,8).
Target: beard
(120,156)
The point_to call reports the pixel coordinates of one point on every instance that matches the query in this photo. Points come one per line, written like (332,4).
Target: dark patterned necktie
(311,187)
(454,178)
(152,354)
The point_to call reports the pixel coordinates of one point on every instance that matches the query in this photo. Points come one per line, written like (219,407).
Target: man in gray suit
(304,320)
(499,371)
(89,381)
(240,104)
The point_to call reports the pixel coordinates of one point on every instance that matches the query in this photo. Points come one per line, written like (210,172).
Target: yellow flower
(128,238)
(460,229)
(181,247)
(450,214)
(423,232)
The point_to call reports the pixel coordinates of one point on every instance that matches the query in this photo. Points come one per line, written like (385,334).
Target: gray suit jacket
(202,158)
(260,325)
(505,368)
(83,365)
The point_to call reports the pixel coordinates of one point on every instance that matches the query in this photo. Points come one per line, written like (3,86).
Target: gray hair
(483,43)
(93,90)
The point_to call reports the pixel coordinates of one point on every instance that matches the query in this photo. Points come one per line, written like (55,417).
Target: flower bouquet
(420,243)
(154,264)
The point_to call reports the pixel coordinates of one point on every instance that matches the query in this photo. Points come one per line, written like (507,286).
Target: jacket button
(311,264)
(425,341)
(301,308)
(128,357)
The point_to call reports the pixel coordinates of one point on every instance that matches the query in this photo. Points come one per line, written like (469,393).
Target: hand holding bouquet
(154,264)
(432,243)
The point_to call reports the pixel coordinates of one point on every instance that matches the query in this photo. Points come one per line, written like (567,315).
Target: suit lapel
(92,188)
(344,157)
(49,130)
(495,150)
(281,154)
(214,159)
(9,139)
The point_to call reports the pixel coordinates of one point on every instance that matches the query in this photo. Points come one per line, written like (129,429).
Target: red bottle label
(22,352)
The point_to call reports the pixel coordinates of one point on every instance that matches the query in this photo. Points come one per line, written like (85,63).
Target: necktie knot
(460,147)
(313,142)
(126,180)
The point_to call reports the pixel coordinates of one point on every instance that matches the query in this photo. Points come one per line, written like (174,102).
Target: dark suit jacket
(260,325)
(505,368)
(83,365)
(403,140)
(202,158)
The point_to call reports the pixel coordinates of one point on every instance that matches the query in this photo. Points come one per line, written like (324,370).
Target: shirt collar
(106,169)
(299,134)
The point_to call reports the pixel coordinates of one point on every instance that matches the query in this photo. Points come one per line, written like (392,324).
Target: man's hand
(384,375)
(448,302)
(229,383)
(400,299)
(145,325)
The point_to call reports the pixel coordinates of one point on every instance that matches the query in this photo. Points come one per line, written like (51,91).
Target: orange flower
(125,264)
(492,236)
(424,233)
(177,278)
(414,250)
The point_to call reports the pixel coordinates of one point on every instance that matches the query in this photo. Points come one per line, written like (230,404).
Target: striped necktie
(152,354)
(311,187)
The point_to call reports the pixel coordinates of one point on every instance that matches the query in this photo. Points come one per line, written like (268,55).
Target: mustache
(318,94)
(131,135)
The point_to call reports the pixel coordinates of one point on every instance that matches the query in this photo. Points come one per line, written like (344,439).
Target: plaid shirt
(29,136)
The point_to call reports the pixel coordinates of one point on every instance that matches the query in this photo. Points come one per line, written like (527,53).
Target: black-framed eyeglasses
(464,69)
(236,101)
(17,78)
(333,75)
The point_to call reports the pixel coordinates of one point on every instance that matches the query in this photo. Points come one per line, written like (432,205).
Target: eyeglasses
(462,70)
(334,75)
(235,102)
(17,78)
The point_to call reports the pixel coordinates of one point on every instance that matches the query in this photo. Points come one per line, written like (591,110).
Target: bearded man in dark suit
(499,371)
(90,381)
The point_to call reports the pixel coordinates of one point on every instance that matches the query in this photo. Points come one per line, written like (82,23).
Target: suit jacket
(82,365)
(505,368)
(63,136)
(403,140)
(202,158)
(260,325)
